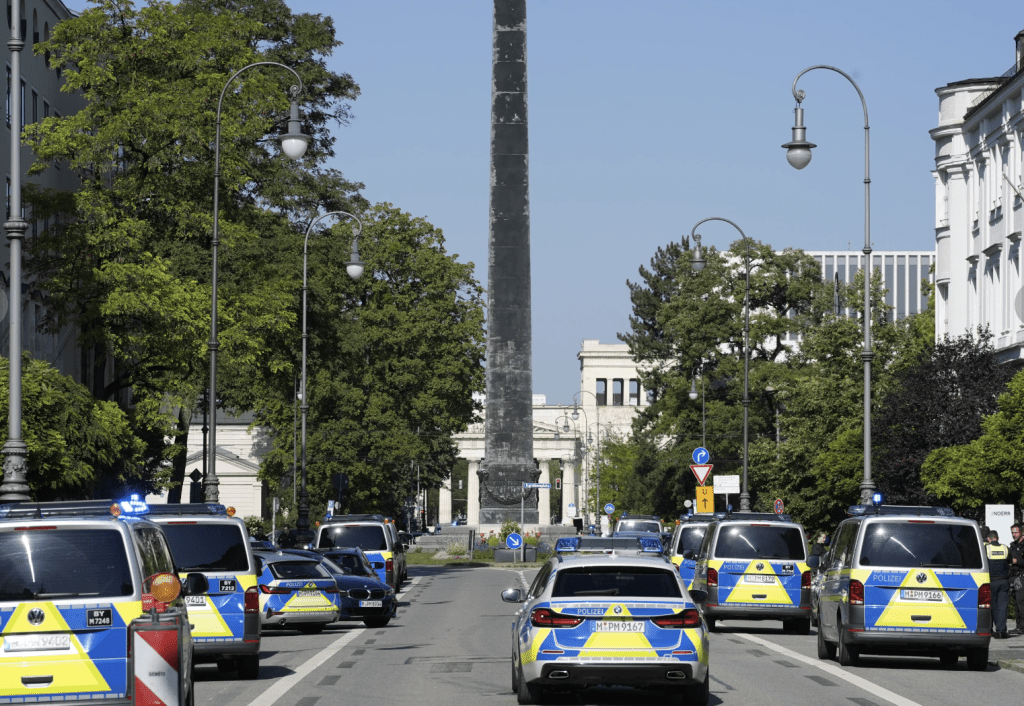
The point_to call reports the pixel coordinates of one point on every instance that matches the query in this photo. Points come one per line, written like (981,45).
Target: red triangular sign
(702,472)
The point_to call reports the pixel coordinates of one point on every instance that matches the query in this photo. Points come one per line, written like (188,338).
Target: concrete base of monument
(513,555)
(498,515)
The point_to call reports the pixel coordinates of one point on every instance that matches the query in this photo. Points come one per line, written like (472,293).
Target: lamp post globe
(693,389)
(798,150)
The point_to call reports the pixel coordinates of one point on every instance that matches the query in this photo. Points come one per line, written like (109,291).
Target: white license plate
(309,594)
(30,643)
(199,601)
(758,578)
(620,626)
(371,604)
(911,594)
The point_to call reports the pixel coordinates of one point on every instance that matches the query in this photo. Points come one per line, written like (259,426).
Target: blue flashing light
(567,544)
(877,499)
(133,506)
(728,508)
(649,545)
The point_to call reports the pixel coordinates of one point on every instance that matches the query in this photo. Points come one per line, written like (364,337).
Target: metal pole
(522,522)
(867,486)
(205,430)
(745,494)
(295,440)
(212,482)
(15,451)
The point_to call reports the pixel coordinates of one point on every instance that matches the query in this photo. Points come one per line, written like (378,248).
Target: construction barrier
(160,666)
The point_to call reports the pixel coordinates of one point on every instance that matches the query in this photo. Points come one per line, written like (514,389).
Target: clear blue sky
(647,116)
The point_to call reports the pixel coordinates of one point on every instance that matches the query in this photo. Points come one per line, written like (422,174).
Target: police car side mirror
(195,584)
(687,553)
(512,595)
(813,561)
(698,596)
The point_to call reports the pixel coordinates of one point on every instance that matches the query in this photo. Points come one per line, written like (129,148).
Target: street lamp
(293,144)
(576,410)
(597,461)
(15,452)
(698,265)
(693,396)
(799,154)
(355,269)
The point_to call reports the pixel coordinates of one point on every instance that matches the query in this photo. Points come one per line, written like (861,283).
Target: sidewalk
(1009,653)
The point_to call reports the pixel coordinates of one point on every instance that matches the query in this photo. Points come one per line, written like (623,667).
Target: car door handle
(41,680)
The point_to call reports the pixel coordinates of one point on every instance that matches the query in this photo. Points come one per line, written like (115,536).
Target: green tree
(125,258)
(77,446)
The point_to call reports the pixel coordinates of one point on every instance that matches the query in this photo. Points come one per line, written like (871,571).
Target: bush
(255,526)
(507,528)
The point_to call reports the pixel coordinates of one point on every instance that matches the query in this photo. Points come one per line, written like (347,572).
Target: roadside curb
(1013,666)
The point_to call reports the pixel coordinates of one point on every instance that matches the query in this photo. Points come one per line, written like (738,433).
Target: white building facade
(979,178)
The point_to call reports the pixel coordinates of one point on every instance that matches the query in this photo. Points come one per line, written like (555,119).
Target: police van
(375,535)
(753,566)
(208,538)
(74,576)
(687,537)
(908,579)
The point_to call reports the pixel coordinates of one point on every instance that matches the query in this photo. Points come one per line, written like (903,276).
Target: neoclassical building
(979,179)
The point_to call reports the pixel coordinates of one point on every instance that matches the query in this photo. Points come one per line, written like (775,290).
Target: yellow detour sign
(705,499)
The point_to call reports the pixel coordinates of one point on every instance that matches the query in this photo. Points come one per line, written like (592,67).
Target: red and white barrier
(156,663)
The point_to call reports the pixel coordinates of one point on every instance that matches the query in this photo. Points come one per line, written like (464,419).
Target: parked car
(296,591)
(375,535)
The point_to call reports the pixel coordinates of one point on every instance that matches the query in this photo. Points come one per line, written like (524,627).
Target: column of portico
(544,494)
(961,216)
(568,491)
(444,503)
(473,494)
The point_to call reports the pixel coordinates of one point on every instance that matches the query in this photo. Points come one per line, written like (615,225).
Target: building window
(8,96)
(35,107)
(617,392)
(602,392)
(634,392)
(22,105)
(46,109)
(8,210)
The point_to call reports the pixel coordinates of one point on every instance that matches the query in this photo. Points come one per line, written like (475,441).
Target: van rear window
(208,546)
(934,545)
(690,538)
(56,563)
(760,542)
(369,538)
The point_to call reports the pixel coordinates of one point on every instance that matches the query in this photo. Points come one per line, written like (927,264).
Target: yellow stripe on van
(900,613)
(743,592)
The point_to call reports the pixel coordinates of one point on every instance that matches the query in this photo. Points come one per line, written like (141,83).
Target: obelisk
(508,432)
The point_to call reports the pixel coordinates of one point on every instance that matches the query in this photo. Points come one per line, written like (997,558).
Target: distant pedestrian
(1017,576)
(999,581)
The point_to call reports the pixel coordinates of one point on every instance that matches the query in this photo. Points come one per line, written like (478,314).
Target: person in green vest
(999,580)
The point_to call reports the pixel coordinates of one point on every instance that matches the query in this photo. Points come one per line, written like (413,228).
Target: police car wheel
(802,626)
(515,677)
(311,629)
(711,624)
(826,650)
(249,667)
(376,622)
(848,656)
(948,659)
(528,693)
(226,665)
(977,659)
(698,694)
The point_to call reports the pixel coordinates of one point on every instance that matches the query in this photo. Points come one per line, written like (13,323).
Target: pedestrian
(1017,576)
(999,581)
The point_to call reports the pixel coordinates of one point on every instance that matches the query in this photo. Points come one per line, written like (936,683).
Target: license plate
(99,618)
(759,578)
(371,604)
(31,643)
(912,594)
(620,626)
(308,594)
(199,601)
(228,585)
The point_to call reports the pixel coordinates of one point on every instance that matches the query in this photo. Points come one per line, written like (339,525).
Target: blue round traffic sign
(513,541)
(609,509)
(701,456)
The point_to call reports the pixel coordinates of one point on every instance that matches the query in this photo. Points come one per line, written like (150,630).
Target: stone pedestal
(473,494)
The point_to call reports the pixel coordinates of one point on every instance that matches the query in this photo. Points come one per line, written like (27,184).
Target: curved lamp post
(798,152)
(293,144)
(597,460)
(355,270)
(698,265)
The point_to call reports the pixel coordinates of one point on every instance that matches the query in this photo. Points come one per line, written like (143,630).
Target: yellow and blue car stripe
(219,615)
(759,582)
(892,599)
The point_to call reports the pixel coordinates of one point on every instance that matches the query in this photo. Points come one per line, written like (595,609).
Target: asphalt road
(450,646)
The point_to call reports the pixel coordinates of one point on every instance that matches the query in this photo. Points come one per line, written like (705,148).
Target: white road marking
(835,671)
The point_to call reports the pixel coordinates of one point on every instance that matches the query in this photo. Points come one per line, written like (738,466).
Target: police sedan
(608,612)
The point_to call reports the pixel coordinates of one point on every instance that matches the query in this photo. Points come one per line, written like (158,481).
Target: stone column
(544,495)
(473,494)
(568,491)
(444,503)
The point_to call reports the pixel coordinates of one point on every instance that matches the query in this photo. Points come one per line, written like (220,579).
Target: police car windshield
(760,542)
(638,526)
(207,546)
(930,544)
(348,561)
(369,538)
(57,563)
(690,538)
(290,570)
(633,581)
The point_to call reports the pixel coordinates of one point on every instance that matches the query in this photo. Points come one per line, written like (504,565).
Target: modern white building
(979,178)
(41,97)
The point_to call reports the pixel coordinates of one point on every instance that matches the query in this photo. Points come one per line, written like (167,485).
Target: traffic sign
(701,455)
(514,541)
(778,506)
(705,499)
(727,485)
(609,509)
(195,475)
(571,506)
(536,485)
(701,472)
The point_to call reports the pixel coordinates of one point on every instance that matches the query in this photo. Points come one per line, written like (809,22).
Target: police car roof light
(649,545)
(64,508)
(133,506)
(370,517)
(567,544)
(632,516)
(188,509)
(912,510)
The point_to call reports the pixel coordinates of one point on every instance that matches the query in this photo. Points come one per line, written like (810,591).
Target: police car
(75,577)
(753,566)
(296,592)
(208,538)
(687,537)
(375,535)
(632,525)
(608,612)
(907,579)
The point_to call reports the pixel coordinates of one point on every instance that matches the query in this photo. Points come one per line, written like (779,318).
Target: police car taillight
(984,596)
(689,618)
(252,600)
(712,577)
(856,592)
(389,565)
(805,579)
(544,618)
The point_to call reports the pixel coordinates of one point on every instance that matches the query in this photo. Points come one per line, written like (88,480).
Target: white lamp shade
(799,157)
(294,145)
(354,269)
